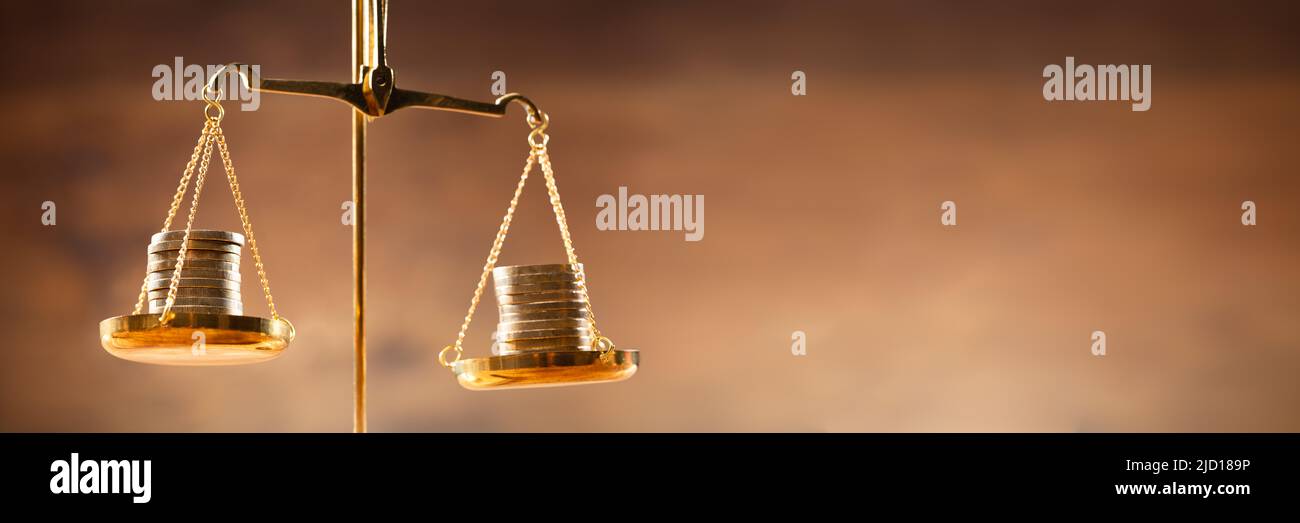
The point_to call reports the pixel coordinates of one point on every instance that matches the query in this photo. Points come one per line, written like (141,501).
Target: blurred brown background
(822,214)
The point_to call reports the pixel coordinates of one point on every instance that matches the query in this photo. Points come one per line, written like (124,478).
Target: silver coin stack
(542,308)
(209,277)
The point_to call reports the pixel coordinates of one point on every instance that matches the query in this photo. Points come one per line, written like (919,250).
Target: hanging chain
(243,218)
(181,188)
(488,265)
(537,140)
(212,134)
(599,341)
(167,314)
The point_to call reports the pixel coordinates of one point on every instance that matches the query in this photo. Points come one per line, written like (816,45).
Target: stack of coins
(543,308)
(209,277)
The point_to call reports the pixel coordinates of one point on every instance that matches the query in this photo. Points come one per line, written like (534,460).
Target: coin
(502,350)
(543,324)
(171,256)
(195,245)
(539,307)
(216,265)
(573,343)
(209,280)
(530,288)
(195,292)
(187,283)
(542,308)
(545,333)
(161,298)
(558,314)
(511,271)
(203,302)
(198,234)
(199,301)
(528,279)
(193,283)
(187,272)
(541,297)
(237,311)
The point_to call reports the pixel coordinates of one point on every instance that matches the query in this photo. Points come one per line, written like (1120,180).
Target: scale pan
(228,340)
(545,369)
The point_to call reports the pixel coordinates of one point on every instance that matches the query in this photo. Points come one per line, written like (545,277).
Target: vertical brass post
(362,28)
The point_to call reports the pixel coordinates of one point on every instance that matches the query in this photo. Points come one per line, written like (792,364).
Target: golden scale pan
(546,369)
(228,339)
(175,336)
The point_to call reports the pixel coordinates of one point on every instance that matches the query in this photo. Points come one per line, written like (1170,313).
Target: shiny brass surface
(374,90)
(389,100)
(365,28)
(227,339)
(546,369)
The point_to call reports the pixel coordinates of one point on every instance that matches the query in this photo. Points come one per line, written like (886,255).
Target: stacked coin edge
(210,279)
(542,308)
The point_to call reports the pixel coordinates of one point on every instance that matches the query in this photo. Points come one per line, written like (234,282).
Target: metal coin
(511,271)
(192,283)
(237,311)
(559,314)
(201,310)
(543,334)
(528,279)
(187,272)
(503,351)
(216,265)
(202,302)
(547,343)
(170,256)
(198,234)
(510,326)
(195,245)
(195,292)
(161,298)
(202,288)
(530,288)
(538,307)
(541,297)
(199,302)
(184,301)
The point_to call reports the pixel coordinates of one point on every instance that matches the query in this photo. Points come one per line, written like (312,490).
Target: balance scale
(167,333)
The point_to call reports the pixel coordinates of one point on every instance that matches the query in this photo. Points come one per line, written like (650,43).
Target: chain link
(181,188)
(495,252)
(201,159)
(562,221)
(537,139)
(243,218)
(167,314)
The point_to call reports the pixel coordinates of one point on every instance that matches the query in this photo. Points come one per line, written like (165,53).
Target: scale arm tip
(404,98)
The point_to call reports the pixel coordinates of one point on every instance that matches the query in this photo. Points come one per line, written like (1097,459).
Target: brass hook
(536,118)
(214,102)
